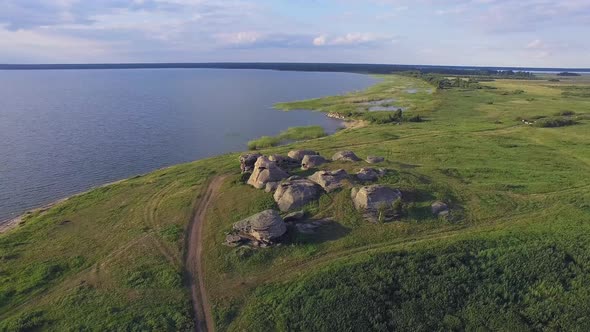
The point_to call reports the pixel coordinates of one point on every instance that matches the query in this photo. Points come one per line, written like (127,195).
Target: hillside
(513,254)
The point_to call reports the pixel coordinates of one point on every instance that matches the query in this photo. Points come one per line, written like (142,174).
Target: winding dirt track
(193,265)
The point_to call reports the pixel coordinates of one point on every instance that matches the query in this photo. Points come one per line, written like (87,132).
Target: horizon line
(322,66)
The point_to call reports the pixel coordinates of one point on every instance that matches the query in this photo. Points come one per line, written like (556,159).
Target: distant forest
(316,67)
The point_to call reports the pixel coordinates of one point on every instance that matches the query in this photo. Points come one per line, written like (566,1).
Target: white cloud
(319,41)
(535,44)
(354,38)
(53,47)
(239,38)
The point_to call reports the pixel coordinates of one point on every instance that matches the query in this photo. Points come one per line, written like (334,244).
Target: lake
(65,131)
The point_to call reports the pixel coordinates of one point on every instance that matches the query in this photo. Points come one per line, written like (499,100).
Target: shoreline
(10,224)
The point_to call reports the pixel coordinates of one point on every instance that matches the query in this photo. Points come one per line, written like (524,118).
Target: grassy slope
(289,135)
(518,257)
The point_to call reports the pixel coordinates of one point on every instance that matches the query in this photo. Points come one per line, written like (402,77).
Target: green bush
(554,122)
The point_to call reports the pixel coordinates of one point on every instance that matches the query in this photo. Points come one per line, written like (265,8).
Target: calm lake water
(62,132)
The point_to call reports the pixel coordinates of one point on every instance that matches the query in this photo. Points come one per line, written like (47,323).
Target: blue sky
(447,32)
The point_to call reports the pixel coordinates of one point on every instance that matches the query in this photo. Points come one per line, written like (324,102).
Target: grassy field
(513,256)
(289,135)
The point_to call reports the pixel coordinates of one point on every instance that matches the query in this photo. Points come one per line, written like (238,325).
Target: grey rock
(299,154)
(329,180)
(294,194)
(271,186)
(294,216)
(312,161)
(284,162)
(345,156)
(375,201)
(368,174)
(438,207)
(375,159)
(233,240)
(265,171)
(264,226)
(247,162)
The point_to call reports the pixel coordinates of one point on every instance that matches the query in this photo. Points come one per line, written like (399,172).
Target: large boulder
(299,154)
(376,201)
(439,208)
(247,162)
(368,174)
(329,180)
(295,193)
(265,226)
(374,159)
(345,156)
(312,161)
(284,162)
(265,171)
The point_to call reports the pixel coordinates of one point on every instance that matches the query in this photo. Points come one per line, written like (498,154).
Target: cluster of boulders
(293,192)
(271,173)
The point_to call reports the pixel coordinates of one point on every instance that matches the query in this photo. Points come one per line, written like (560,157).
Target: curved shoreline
(11,223)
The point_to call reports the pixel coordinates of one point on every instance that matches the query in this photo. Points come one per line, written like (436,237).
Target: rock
(299,154)
(294,194)
(294,216)
(375,159)
(265,171)
(312,161)
(284,162)
(368,174)
(264,226)
(376,201)
(233,240)
(329,180)
(247,162)
(271,186)
(438,207)
(345,156)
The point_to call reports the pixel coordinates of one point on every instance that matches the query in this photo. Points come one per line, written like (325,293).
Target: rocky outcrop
(299,154)
(345,156)
(440,209)
(295,193)
(284,162)
(265,171)
(265,226)
(247,162)
(329,180)
(312,161)
(369,174)
(376,201)
(271,187)
(374,159)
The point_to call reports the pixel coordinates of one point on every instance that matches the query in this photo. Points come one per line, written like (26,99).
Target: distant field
(513,258)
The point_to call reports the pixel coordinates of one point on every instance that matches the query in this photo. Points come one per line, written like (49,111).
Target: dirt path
(193,263)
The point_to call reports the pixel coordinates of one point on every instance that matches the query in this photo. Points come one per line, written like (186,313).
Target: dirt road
(193,263)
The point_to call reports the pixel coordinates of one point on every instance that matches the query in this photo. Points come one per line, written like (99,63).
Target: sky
(531,33)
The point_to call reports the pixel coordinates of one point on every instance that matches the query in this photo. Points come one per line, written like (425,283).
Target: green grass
(514,256)
(289,135)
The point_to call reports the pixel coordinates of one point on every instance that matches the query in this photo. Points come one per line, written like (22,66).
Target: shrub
(565,113)
(554,122)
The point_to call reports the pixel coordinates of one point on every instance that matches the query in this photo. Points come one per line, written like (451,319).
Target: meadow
(513,255)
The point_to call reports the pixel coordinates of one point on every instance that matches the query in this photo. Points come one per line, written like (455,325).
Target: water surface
(65,131)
